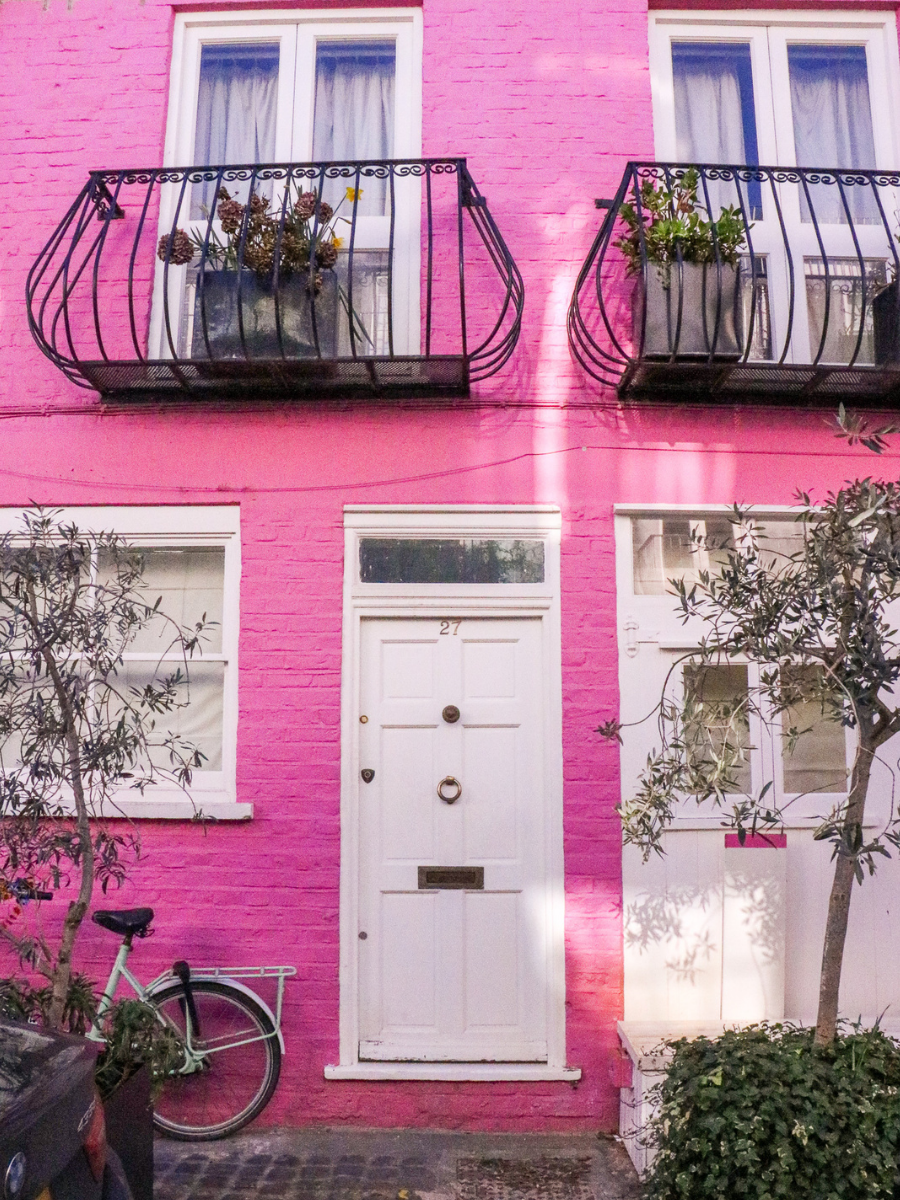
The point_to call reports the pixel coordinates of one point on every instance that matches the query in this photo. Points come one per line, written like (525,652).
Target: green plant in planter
(670,220)
(135,1037)
(766,1114)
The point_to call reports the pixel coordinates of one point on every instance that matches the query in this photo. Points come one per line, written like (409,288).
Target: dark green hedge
(763,1113)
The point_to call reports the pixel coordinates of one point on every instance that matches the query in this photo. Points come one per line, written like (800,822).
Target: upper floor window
(794,90)
(789,89)
(239,120)
(276,88)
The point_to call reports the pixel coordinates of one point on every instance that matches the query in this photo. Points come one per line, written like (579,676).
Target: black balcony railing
(744,282)
(346,279)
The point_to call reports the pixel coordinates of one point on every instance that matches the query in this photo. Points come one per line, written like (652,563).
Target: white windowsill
(180,810)
(455,1072)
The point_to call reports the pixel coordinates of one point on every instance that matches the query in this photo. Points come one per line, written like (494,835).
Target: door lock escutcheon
(367,774)
(449,790)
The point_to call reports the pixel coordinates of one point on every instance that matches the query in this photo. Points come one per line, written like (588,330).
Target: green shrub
(763,1113)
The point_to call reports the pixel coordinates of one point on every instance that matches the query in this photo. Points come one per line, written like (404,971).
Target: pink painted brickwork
(547,103)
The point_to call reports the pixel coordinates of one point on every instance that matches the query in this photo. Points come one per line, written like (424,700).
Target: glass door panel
(354,120)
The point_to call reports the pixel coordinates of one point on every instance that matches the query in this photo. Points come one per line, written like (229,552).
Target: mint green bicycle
(232,1040)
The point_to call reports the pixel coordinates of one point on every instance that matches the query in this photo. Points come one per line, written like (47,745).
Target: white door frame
(541,600)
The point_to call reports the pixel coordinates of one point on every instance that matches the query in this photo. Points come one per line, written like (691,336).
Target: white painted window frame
(297,32)
(211,792)
(652,622)
(539,522)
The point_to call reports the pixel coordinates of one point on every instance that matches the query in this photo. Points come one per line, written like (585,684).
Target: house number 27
(445,627)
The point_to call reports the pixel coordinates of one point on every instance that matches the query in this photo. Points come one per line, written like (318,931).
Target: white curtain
(709,125)
(354,116)
(833,124)
(236,112)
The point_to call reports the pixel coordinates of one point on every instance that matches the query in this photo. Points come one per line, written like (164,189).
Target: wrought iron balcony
(352,279)
(745,283)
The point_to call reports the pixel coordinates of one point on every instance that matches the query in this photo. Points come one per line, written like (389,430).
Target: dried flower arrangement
(259,238)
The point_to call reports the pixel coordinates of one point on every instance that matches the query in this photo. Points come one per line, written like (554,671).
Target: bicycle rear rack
(225,973)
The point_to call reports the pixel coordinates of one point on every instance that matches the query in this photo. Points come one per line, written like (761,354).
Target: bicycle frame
(193,1056)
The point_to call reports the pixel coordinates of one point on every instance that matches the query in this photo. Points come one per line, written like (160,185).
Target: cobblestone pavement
(344,1164)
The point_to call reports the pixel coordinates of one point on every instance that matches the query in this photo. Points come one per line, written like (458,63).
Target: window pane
(190,582)
(843,289)
(715,118)
(369,291)
(754,280)
(663,550)
(722,693)
(833,125)
(818,760)
(425,560)
(236,112)
(777,540)
(200,722)
(354,116)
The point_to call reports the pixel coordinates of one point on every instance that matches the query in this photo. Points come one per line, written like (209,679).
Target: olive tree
(819,623)
(73,731)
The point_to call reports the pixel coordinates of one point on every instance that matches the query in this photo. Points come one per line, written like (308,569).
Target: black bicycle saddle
(125,920)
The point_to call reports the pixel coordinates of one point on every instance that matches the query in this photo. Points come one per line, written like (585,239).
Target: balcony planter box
(697,285)
(886,320)
(217,303)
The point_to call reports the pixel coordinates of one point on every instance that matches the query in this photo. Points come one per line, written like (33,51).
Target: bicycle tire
(239,1080)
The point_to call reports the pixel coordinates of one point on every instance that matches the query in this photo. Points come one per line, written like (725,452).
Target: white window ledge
(180,810)
(455,1072)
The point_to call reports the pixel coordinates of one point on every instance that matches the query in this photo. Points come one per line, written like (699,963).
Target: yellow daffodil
(353,194)
(337,242)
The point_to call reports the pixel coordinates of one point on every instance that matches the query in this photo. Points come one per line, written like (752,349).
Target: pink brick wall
(547,103)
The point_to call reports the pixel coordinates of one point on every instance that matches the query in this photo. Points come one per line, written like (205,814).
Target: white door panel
(452,974)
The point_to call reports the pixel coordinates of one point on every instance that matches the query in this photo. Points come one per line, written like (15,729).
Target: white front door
(452,963)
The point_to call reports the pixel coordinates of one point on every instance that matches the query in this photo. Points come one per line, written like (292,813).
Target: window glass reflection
(444,560)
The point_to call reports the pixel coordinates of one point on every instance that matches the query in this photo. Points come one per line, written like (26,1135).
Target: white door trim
(541,522)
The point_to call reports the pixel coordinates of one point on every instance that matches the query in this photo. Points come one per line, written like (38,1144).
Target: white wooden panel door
(452,975)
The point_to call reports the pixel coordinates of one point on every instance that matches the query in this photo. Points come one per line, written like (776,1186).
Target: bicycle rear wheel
(241,1061)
